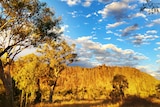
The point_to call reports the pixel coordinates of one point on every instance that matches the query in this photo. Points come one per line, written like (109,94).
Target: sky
(111,32)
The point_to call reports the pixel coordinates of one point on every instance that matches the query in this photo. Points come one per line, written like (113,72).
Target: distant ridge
(96,82)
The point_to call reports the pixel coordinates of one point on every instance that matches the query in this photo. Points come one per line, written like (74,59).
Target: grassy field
(131,101)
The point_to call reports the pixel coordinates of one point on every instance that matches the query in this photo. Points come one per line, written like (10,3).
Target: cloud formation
(116,9)
(94,53)
(72,2)
(129,29)
(151,32)
(87,3)
(115,24)
(136,15)
(74,14)
(158,48)
(104,1)
(154,22)
(143,39)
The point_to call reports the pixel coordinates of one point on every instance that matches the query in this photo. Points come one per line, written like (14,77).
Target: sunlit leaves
(51,59)
(57,54)
(25,74)
(29,22)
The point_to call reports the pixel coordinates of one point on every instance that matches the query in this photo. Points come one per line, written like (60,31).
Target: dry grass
(131,101)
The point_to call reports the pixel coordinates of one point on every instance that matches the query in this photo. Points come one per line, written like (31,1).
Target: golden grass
(132,101)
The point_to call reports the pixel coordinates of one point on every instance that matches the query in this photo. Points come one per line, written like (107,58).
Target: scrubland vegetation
(85,87)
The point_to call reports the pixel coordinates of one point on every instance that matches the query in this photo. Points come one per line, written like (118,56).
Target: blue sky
(111,32)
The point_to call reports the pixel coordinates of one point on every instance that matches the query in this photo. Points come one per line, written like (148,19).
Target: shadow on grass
(134,101)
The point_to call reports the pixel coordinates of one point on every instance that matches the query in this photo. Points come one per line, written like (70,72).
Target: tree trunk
(26,101)
(22,99)
(52,91)
(51,94)
(7,82)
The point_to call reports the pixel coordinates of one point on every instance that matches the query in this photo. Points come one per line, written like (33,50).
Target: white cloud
(89,15)
(72,2)
(157,49)
(94,38)
(129,29)
(87,3)
(151,31)
(158,56)
(144,39)
(84,38)
(143,68)
(116,9)
(94,53)
(121,40)
(104,1)
(95,14)
(142,1)
(100,20)
(158,43)
(115,24)
(117,34)
(149,69)
(158,61)
(64,27)
(154,22)
(139,15)
(109,32)
(109,38)
(74,14)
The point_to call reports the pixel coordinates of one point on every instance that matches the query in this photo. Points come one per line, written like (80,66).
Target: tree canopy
(25,23)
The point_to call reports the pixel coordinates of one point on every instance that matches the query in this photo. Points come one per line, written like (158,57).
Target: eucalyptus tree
(23,23)
(119,84)
(57,54)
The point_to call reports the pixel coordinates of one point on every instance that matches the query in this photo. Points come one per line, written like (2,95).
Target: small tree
(119,84)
